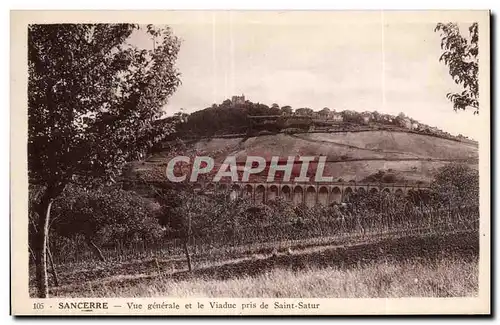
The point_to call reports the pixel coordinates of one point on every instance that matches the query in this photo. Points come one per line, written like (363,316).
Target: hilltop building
(235,100)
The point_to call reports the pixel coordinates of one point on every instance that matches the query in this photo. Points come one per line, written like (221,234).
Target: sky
(362,63)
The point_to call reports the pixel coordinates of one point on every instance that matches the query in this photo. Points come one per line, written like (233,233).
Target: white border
(94,4)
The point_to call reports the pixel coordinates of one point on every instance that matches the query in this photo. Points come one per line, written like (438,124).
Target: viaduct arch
(309,194)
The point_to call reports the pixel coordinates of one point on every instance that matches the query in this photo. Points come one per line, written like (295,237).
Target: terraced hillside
(350,155)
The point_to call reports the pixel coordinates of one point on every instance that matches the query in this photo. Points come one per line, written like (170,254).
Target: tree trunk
(53,267)
(95,249)
(41,247)
(186,250)
(32,254)
(42,209)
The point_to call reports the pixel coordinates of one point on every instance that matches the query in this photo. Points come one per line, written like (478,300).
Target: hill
(410,157)
(243,117)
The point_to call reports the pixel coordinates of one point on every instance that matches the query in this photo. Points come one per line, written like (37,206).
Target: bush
(106,216)
(457,185)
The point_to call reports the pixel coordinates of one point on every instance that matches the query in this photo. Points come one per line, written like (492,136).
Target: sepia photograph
(260,162)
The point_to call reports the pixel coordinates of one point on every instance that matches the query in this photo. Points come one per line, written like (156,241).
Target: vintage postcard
(250,162)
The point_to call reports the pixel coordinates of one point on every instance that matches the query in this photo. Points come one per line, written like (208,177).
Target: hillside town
(237,116)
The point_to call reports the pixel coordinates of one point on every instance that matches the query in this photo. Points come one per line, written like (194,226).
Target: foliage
(233,119)
(218,220)
(286,110)
(305,111)
(94,102)
(93,98)
(106,216)
(325,111)
(457,184)
(352,117)
(460,54)
(194,213)
(225,118)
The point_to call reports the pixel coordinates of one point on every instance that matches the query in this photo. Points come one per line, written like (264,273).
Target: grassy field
(419,265)
(447,277)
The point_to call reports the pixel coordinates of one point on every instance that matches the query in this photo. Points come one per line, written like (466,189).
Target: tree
(92,102)
(352,117)
(305,111)
(457,184)
(227,103)
(104,216)
(286,110)
(325,112)
(189,211)
(188,214)
(460,54)
(274,109)
(402,121)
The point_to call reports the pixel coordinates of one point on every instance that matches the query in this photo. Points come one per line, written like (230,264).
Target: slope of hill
(350,155)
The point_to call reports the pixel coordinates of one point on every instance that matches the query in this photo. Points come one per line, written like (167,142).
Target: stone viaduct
(308,193)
